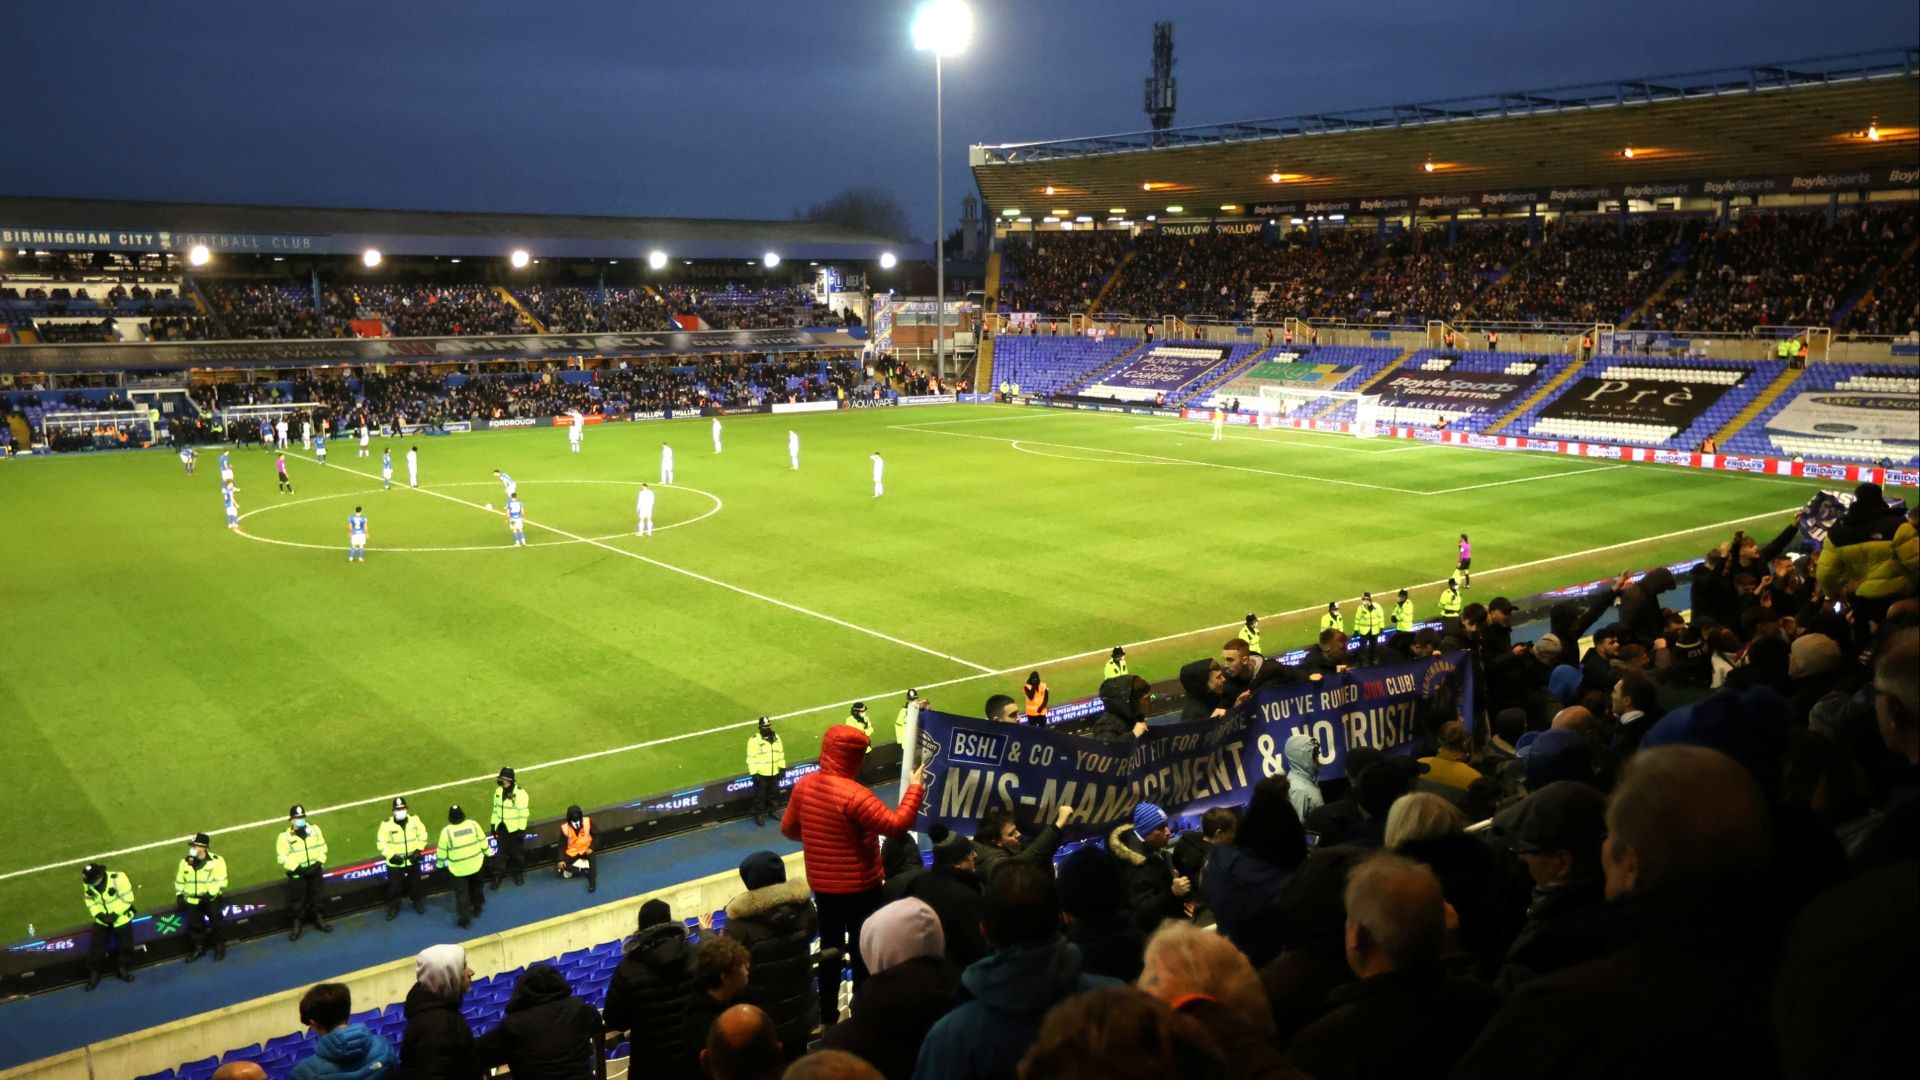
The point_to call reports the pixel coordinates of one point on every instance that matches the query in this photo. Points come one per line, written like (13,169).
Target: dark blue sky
(725,108)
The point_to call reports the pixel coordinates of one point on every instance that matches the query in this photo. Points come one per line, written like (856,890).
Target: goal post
(252,423)
(1278,406)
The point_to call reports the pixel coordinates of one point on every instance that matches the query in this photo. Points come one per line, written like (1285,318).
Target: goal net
(1295,406)
(255,423)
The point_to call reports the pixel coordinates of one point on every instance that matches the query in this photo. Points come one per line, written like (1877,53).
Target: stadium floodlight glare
(942,27)
(1116,209)
(1048,190)
(656,260)
(1873,130)
(1429,164)
(519,258)
(888,260)
(1627,153)
(1011,211)
(370,258)
(197,255)
(1084,218)
(1176,209)
(771,258)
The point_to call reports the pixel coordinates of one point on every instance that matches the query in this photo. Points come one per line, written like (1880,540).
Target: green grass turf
(163,676)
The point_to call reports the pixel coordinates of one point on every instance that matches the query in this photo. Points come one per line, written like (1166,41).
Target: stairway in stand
(1093,305)
(1759,405)
(1546,391)
(514,303)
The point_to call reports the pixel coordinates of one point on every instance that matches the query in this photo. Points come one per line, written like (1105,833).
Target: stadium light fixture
(1153,217)
(942,27)
(1273,177)
(1023,220)
(1083,218)
(198,255)
(1428,166)
(656,260)
(1873,130)
(1116,210)
(1048,190)
(1176,209)
(771,258)
(1050,219)
(370,258)
(519,258)
(1011,211)
(888,260)
(1229,206)
(454,260)
(1627,153)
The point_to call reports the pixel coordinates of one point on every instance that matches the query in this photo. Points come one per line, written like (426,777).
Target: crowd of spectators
(261,310)
(429,310)
(734,307)
(1692,850)
(1769,268)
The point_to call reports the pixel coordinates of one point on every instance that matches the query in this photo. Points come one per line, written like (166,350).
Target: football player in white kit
(666,464)
(364,452)
(643,507)
(576,430)
(879,474)
(793,448)
(716,434)
(280,430)
(413,466)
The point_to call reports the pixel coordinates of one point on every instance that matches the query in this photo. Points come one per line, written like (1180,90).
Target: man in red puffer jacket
(839,823)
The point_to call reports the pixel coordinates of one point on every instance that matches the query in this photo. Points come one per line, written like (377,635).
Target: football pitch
(161,675)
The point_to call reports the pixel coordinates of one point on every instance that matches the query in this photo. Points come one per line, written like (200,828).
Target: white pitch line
(695,575)
(1528,479)
(901,692)
(1179,427)
(1163,459)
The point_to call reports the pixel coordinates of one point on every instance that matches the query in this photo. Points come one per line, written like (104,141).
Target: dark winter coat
(1640,619)
(1470,879)
(1403,1025)
(547,1033)
(1681,991)
(954,895)
(1252,1056)
(893,1011)
(438,1044)
(777,924)
(1243,891)
(647,994)
(1115,722)
(1149,879)
(1199,702)
(1113,946)
(1559,931)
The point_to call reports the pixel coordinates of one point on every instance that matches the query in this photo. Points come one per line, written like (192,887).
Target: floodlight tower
(943,28)
(1160,89)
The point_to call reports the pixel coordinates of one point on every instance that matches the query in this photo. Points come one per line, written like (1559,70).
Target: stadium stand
(1673,405)
(1050,365)
(1840,412)
(1315,367)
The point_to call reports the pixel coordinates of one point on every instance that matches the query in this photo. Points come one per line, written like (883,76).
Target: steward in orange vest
(576,836)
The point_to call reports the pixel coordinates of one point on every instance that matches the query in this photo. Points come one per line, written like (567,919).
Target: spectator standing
(1448,767)
(1244,877)
(838,823)
(721,969)
(952,889)
(1395,932)
(1303,774)
(911,985)
(342,1051)
(546,1033)
(438,1044)
(1125,717)
(1203,976)
(1098,921)
(776,921)
(1682,988)
(647,994)
(1155,891)
(999,841)
(1556,833)
(743,1045)
(1121,1033)
(1031,970)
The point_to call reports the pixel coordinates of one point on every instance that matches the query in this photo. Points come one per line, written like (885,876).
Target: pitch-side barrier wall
(1845,472)
(254,1022)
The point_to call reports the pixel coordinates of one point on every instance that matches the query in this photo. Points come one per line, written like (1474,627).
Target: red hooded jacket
(839,822)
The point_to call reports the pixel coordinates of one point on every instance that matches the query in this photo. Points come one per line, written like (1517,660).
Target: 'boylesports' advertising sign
(1840,414)
(1655,402)
(1459,393)
(974,766)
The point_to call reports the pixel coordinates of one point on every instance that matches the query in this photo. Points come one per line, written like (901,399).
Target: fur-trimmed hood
(1126,845)
(757,903)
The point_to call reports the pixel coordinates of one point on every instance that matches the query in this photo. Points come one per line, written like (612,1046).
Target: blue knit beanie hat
(1147,817)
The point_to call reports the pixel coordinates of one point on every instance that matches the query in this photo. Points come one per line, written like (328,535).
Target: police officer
(766,760)
(576,848)
(1368,621)
(1333,620)
(198,885)
(1116,664)
(857,719)
(1402,617)
(511,810)
(302,851)
(463,851)
(402,841)
(1250,633)
(1450,602)
(109,897)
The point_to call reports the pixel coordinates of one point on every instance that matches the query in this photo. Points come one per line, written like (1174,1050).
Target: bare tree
(868,210)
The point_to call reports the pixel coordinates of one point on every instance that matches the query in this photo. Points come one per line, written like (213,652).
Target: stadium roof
(1762,121)
(155,226)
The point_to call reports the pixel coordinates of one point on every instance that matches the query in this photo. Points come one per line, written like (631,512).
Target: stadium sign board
(1465,393)
(1840,414)
(1659,402)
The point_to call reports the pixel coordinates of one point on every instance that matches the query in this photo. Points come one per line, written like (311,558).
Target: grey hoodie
(1303,767)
